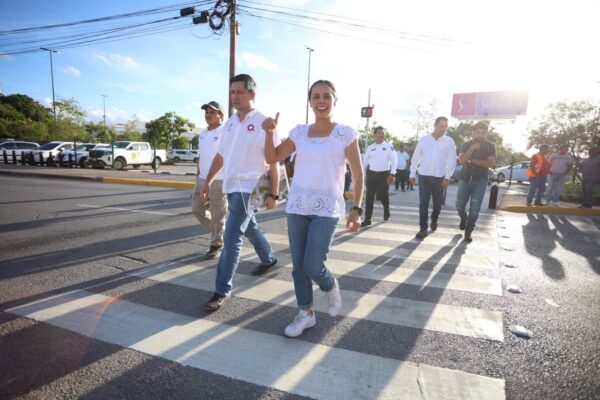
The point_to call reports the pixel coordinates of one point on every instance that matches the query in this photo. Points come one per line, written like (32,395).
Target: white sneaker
(302,321)
(556,205)
(335,299)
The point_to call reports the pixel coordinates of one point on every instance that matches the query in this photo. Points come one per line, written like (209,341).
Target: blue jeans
(536,185)
(310,239)
(555,187)
(429,186)
(239,224)
(475,190)
(588,192)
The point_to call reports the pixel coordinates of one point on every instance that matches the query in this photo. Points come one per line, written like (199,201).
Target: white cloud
(250,60)
(119,61)
(71,71)
(6,57)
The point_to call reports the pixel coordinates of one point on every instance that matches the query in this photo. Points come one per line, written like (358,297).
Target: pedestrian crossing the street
(379,269)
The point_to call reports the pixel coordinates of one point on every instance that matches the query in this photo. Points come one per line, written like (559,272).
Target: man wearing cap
(380,167)
(211,214)
(241,156)
(476,157)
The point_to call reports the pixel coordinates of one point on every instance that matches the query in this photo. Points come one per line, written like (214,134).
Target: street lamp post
(308,82)
(104,108)
(52,77)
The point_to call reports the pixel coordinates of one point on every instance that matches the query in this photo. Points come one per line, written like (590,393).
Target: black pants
(430,187)
(377,184)
(401,178)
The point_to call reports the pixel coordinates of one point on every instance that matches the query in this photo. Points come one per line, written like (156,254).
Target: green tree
(180,142)
(575,124)
(23,118)
(196,142)
(70,121)
(99,133)
(163,130)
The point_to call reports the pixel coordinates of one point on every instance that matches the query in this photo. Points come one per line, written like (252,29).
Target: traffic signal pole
(232,34)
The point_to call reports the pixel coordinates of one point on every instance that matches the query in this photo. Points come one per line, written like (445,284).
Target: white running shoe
(302,321)
(335,299)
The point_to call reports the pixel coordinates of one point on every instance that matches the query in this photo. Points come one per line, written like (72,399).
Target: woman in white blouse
(316,200)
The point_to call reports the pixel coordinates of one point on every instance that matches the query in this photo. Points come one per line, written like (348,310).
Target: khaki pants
(212,214)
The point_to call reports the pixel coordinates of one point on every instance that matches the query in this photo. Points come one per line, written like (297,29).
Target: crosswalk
(384,254)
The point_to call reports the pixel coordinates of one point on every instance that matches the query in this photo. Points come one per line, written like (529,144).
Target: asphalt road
(423,308)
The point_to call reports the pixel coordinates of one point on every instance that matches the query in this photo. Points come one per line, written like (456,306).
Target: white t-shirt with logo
(208,143)
(243,152)
(318,184)
(380,158)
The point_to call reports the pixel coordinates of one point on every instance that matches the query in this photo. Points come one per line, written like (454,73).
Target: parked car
(45,150)
(183,155)
(18,147)
(126,153)
(80,154)
(519,173)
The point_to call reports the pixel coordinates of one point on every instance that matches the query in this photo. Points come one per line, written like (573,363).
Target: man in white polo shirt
(435,157)
(379,164)
(241,156)
(211,214)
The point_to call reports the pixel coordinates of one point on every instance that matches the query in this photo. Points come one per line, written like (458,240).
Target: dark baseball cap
(215,106)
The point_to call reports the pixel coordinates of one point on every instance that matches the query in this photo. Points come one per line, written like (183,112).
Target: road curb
(551,210)
(148,182)
(53,176)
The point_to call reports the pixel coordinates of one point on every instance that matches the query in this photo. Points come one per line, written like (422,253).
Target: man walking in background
(476,157)
(590,168)
(560,166)
(435,158)
(538,174)
(402,158)
(380,168)
(211,214)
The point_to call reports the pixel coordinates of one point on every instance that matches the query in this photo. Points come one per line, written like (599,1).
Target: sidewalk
(514,199)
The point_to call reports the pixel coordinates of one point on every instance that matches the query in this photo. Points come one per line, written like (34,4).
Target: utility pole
(232,34)
(367,125)
(52,77)
(308,82)
(104,107)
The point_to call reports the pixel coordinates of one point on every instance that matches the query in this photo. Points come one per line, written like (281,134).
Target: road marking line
(407,276)
(416,254)
(444,318)
(264,359)
(133,210)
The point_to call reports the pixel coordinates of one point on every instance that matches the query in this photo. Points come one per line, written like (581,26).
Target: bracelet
(273,196)
(357,209)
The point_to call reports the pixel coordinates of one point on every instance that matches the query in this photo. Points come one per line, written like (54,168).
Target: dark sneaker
(468,232)
(215,302)
(528,204)
(262,268)
(213,252)
(366,222)
(433,225)
(386,215)
(404,190)
(421,234)
(539,204)
(412,188)
(462,225)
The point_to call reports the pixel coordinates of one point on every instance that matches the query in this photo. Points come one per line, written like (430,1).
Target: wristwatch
(273,196)
(357,209)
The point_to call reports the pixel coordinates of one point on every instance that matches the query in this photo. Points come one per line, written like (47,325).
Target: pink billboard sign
(489,104)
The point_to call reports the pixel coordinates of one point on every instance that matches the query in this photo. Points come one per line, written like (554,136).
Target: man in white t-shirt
(401,168)
(379,165)
(560,166)
(435,158)
(211,214)
(241,156)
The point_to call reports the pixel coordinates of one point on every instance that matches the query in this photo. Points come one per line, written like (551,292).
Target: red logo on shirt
(251,128)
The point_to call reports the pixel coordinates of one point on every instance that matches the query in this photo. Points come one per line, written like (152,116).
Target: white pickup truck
(127,153)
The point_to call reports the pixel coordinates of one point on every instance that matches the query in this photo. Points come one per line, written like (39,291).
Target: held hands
(445,183)
(474,147)
(390,180)
(353,221)
(270,124)
(412,181)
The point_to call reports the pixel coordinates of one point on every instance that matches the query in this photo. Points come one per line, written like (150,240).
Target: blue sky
(477,46)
